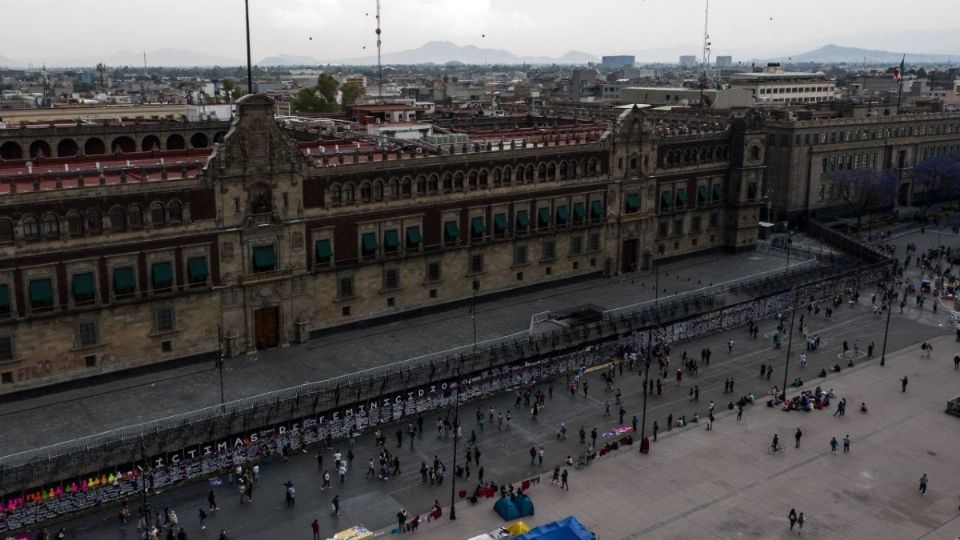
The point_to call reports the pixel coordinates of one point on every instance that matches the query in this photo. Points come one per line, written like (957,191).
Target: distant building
(773,85)
(614,62)
(730,98)
(688,60)
(724,61)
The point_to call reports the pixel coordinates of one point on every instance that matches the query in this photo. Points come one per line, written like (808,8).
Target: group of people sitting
(806,401)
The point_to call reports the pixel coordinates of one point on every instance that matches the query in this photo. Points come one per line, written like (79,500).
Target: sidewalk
(725,484)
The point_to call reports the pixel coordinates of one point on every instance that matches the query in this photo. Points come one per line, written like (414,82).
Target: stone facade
(801,154)
(266,245)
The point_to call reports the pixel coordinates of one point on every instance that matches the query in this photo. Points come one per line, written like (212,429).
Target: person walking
(583,435)
(335,505)
(923,484)
(315,527)
(739,413)
(800,521)
(846,443)
(540,455)
(656,429)
(563,480)
(792,516)
(203,518)
(833,445)
(212,500)
(797,436)
(903,384)
(696,392)
(291,494)
(533,455)
(710,422)
(593,437)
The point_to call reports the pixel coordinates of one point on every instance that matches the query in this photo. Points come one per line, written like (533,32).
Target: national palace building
(151,252)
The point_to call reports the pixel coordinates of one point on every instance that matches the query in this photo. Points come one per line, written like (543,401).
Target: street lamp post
(143,485)
(220,362)
(886,329)
(646,384)
(786,364)
(246,11)
(456,403)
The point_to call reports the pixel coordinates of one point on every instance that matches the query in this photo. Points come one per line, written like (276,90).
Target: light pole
(143,485)
(644,444)
(456,403)
(886,329)
(220,362)
(246,11)
(786,364)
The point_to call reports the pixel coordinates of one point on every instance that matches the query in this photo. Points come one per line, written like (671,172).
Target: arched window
(421,185)
(472,180)
(563,170)
(378,190)
(754,152)
(158,214)
(458,181)
(406,186)
(75,223)
(336,196)
(394,188)
(365,194)
(528,173)
(447,182)
(572,169)
(94,222)
(483,178)
(542,172)
(508,173)
(6,230)
(118,219)
(31,228)
(348,193)
(134,217)
(432,182)
(50,226)
(497,178)
(175,211)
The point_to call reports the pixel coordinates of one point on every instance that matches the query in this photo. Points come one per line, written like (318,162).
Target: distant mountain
(8,62)
(441,52)
(836,54)
(288,60)
(159,57)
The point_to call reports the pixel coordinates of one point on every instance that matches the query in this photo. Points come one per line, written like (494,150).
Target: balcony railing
(260,277)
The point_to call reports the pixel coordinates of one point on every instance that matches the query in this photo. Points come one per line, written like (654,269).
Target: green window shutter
(579,211)
(523,220)
(451,231)
(752,190)
(321,251)
(666,199)
(596,209)
(162,275)
(500,223)
(197,270)
(83,287)
(368,242)
(41,292)
(681,197)
(413,237)
(391,239)
(633,202)
(477,227)
(718,192)
(563,215)
(264,259)
(701,194)
(543,217)
(123,280)
(4,298)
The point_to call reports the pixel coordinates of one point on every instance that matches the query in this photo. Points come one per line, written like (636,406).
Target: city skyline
(332,30)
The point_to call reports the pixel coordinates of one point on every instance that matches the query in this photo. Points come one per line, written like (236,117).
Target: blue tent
(506,509)
(567,528)
(524,505)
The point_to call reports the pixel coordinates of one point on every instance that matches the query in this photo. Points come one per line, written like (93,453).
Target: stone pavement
(726,484)
(64,415)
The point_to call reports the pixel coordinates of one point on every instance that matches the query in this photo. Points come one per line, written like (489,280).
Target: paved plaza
(725,483)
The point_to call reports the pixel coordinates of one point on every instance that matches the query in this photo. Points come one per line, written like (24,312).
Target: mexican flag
(899,70)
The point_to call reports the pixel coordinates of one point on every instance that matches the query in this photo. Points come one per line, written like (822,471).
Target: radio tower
(706,53)
(379,65)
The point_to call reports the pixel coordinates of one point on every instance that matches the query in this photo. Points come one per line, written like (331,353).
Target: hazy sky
(39,29)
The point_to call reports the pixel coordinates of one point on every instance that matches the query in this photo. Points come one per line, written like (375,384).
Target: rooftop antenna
(379,65)
(706,53)
(246,11)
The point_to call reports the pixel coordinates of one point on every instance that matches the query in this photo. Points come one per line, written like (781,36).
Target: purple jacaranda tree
(938,179)
(866,189)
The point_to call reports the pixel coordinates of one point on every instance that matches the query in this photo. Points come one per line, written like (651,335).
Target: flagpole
(900,84)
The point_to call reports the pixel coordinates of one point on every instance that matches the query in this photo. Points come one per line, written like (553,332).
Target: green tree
(327,87)
(308,101)
(350,92)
